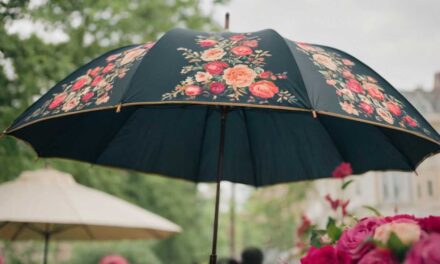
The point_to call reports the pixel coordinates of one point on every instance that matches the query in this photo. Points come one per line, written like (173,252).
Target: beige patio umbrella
(49,204)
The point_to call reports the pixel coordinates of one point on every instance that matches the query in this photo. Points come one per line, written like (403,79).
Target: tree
(92,27)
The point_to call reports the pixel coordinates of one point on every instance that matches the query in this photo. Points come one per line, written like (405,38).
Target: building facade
(391,192)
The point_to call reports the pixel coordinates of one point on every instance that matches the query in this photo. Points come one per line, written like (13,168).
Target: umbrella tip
(315,115)
(118,108)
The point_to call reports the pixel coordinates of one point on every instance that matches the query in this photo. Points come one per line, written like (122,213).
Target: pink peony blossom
(343,170)
(327,255)
(425,251)
(430,224)
(379,256)
(354,240)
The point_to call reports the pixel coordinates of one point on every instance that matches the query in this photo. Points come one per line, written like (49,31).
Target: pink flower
(213,54)
(193,90)
(344,206)
(108,68)
(241,51)
(354,86)
(386,116)
(325,61)
(237,37)
(354,240)
(327,255)
(103,99)
(426,251)
(94,72)
(86,97)
(203,76)
(394,108)
(347,62)
(305,225)
(57,100)
(112,57)
(374,91)
(250,43)
(215,67)
(264,89)
(348,107)
(239,76)
(379,256)
(334,204)
(343,170)
(367,108)
(113,259)
(430,224)
(407,232)
(305,46)
(347,74)
(96,81)
(207,42)
(410,121)
(265,74)
(69,105)
(80,83)
(217,87)
(402,218)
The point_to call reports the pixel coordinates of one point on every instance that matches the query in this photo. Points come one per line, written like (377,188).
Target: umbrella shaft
(213,258)
(46,247)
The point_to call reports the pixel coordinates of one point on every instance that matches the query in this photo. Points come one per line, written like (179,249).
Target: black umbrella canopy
(295,111)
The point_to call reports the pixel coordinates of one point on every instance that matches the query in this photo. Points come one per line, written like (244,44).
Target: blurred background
(41,41)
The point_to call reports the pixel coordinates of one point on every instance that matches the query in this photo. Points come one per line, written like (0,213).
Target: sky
(400,39)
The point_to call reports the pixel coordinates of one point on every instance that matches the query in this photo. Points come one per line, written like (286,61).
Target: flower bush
(376,239)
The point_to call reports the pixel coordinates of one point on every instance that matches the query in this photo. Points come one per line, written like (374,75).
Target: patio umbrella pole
(213,258)
(46,246)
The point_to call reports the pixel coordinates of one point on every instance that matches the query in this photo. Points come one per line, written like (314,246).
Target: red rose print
(112,57)
(394,108)
(265,75)
(215,67)
(86,97)
(57,100)
(207,42)
(237,37)
(80,83)
(367,108)
(347,74)
(108,68)
(193,90)
(217,87)
(354,86)
(96,81)
(410,121)
(373,91)
(94,72)
(264,89)
(241,50)
(250,43)
(331,82)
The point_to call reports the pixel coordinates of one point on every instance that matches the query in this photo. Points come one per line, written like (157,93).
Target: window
(430,189)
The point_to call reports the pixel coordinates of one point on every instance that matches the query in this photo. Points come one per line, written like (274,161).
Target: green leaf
(333,231)
(372,209)
(397,246)
(315,239)
(345,184)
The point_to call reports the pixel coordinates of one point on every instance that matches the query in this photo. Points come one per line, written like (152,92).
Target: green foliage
(333,231)
(270,218)
(372,209)
(346,184)
(93,27)
(397,246)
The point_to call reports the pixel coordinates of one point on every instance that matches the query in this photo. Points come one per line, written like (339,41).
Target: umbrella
(253,108)
(49,204)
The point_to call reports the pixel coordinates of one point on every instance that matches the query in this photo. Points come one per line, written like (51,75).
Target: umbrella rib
(205,124)
(4,224)
(396,148)
(331,139)
(88,231)
(19,231)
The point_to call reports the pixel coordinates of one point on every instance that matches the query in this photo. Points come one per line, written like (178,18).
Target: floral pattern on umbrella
(358,94)
(232,68)
(94,87)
